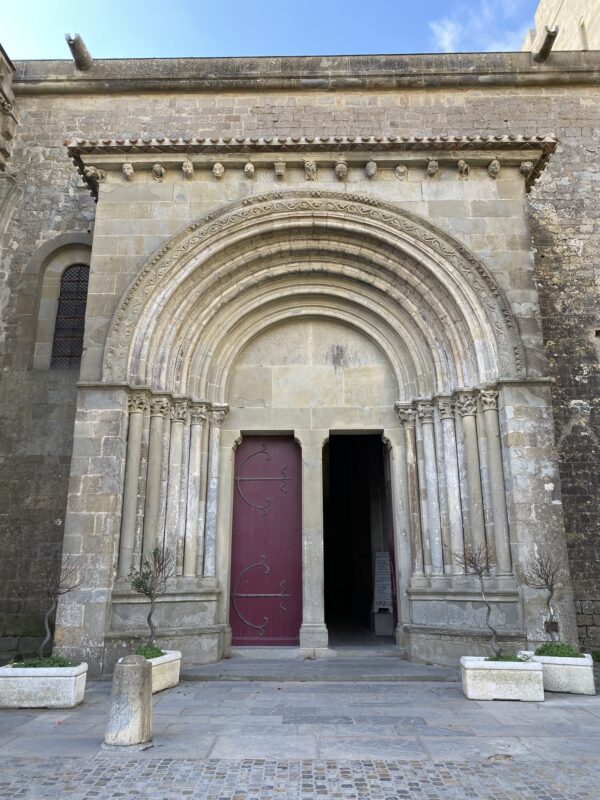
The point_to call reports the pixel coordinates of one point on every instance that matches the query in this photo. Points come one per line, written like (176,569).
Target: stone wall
(563,215)
(37,410)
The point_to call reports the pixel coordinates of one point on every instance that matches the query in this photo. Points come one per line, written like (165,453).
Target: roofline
(7,58)
(264,73)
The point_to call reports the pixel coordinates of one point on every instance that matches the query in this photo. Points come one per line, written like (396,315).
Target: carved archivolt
(417,272)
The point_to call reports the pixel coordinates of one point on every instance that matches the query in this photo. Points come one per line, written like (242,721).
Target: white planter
(42,687)
(165,670)
(501,680)
(569,675)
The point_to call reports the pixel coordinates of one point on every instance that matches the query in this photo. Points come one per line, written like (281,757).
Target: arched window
(67,343)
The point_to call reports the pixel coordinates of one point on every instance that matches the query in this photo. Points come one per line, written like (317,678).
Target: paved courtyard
(257,740)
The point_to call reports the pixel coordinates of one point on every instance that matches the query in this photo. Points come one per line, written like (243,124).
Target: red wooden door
(266,560)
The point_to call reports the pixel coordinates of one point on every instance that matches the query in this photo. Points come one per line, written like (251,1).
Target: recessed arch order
(428,303)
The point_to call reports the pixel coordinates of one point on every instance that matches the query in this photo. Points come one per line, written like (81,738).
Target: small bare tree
(151,581)
(58,576)
(479,561)
(543,571)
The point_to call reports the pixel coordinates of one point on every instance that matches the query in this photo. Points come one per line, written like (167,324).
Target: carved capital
(446,407)
(425,412)
(198,414)
(137,403)
(466,404)
(405,414)
(179,411)
(159,407)
(489,399)
(217,414)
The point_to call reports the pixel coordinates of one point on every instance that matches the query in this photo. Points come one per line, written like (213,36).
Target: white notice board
(382,592)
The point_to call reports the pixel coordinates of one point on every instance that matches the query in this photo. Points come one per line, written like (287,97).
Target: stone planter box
(501,680)
(569,675)
(42,687)
(165,670)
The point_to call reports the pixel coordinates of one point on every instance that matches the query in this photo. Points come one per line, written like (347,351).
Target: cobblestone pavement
(258,741)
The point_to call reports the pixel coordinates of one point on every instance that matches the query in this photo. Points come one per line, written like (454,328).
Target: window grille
(70,318)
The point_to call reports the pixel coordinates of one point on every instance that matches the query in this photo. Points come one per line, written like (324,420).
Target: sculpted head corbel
(128,171)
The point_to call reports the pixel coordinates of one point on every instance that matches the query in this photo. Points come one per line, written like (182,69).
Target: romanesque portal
(294,313)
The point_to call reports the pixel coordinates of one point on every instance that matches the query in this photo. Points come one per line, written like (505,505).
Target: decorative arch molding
(230,261)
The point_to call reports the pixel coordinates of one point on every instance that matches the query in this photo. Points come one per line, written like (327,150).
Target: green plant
(478,561)
(47,661)
(506,657)
(149,651)
(558,650)
(151,580)
(596,656)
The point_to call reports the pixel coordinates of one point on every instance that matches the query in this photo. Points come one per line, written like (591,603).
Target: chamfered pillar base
(313,636)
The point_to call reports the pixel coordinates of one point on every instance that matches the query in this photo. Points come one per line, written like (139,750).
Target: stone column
(159,408)
(489,405)
(137,405)
(401,527)
(434,529)
(194,526)
(179,411)
(406,415)
(446,407)
(313,632)
(216,417)
(466,405)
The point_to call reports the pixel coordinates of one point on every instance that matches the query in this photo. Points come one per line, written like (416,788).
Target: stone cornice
(102,154)
(308,73)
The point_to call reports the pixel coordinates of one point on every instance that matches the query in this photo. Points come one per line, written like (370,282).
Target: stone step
(335,669)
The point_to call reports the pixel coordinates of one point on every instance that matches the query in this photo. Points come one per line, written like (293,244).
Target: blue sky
(149,28)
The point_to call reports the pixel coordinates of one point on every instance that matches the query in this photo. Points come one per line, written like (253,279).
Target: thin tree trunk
(553,636)
(495,648)
(150,623)
(47,616)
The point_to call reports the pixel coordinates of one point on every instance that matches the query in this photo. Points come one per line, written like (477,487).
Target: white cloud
(484,25)
(447,34)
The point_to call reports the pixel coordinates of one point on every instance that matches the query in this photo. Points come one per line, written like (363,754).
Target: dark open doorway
(357,537)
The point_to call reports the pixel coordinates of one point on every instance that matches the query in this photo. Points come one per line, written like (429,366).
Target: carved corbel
(432,167)
(371,169)
(279,167)
(187,169)
(463,169)
(341,170)
(310,170)
(218,171)
(128,171)
(249,169)
(494,168)
(158,173)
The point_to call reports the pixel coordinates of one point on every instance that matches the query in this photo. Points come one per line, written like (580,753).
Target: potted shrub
(501,676)
(564,667)
(46,681)
(151,580)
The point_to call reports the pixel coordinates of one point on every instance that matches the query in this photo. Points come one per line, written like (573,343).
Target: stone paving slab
(300,740)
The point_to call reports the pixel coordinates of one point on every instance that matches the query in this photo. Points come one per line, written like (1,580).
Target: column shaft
(159,408)
(216,417)
(455,520)
(194,536)
(467,407)
(178,416)
(434,529)
(407,418)
(489,403)
(137,405)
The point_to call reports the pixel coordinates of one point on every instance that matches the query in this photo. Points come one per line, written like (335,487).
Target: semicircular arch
(428,302)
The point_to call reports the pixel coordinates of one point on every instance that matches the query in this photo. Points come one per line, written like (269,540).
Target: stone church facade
(339,310)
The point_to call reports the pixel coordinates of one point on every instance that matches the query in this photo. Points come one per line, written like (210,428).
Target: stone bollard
(130,716)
